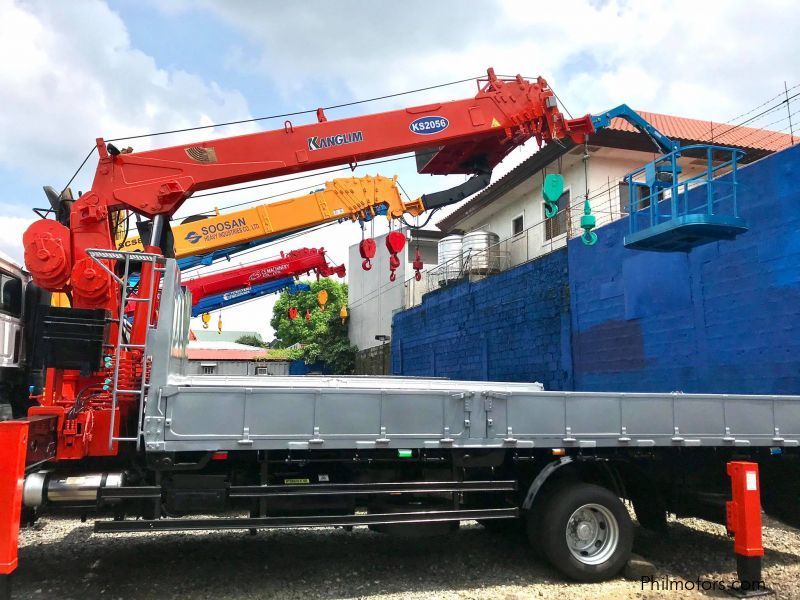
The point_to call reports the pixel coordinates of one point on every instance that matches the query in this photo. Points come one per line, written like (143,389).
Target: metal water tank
(449,254)
(479,252)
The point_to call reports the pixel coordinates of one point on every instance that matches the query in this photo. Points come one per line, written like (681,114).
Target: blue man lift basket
(670,213)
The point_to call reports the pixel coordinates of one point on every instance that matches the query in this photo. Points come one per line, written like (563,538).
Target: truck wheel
(586,532)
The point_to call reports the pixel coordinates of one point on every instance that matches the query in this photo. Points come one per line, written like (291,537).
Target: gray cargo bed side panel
(218,413)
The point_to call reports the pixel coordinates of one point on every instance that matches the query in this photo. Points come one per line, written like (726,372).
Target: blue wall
(722,318)
(508,327)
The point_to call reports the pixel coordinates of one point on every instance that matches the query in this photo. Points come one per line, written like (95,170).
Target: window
(557,225)
(517,225)
(208,369)
(10,295)
(262,371)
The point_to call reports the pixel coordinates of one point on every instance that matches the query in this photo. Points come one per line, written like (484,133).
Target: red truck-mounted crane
(467,136)
(291,264)
(98,373)
(122,428)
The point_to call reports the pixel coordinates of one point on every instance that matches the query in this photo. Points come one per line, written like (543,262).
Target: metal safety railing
(126,258)
(659,191)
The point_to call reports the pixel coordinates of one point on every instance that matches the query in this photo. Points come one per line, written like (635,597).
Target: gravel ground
(62,558)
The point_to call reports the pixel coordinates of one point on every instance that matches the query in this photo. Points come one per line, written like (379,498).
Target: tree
(251,340)
(323,338)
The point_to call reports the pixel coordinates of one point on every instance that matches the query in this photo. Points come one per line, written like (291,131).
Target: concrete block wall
(722,318)
(513,326)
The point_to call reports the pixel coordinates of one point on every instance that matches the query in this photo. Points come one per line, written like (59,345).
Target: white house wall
(372,298)
(606,169)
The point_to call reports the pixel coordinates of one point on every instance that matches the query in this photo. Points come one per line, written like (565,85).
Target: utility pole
(788,111)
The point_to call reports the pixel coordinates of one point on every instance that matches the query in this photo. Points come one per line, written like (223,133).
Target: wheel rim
(592,534)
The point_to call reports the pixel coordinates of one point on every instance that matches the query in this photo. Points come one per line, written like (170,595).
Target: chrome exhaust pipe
(44,487)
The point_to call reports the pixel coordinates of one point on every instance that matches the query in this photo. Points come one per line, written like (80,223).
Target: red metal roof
(706,132)
(224,354)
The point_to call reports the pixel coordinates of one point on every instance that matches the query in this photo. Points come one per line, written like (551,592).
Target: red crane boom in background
(291,264)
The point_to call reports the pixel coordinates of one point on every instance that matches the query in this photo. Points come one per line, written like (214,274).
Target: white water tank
(479,252)
(449,253)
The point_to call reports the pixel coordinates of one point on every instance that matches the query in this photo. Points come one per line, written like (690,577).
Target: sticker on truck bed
(428,125)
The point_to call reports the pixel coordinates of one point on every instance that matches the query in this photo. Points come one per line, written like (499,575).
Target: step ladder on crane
(130,361)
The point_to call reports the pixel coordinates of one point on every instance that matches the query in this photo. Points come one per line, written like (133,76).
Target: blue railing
(669,212)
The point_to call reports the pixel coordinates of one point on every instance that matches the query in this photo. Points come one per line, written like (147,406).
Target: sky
(74,71)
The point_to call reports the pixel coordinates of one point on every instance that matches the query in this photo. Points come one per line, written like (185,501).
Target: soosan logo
(428,125)
(192,237)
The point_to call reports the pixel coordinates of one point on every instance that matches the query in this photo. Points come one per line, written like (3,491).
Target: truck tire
(585,532)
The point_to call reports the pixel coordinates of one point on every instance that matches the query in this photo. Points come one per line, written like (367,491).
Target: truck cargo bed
(262,413)
(227,413)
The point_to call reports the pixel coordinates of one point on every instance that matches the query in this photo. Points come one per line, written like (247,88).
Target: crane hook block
(417,264)
(395,242)
(552,189)
(206,317)
(588,222)
(367,249)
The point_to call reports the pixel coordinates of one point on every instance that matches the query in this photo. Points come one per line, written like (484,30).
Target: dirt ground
(64,559)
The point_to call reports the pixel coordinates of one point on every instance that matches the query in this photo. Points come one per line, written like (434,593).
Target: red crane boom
(291,264)
(462,136)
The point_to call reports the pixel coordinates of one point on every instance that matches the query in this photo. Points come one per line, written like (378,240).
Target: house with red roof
(512,207)
(219,357)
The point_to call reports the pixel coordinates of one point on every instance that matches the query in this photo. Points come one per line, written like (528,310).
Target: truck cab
(18,300)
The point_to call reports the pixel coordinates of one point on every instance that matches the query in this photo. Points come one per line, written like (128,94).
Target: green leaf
(323,338)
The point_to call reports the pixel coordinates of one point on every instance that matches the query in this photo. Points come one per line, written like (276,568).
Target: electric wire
(755,117)
(78,170)
(297,112)
(428,220)
(276,116)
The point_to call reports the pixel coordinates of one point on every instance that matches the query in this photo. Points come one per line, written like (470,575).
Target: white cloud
(70,74)
(11,239)
(696,59)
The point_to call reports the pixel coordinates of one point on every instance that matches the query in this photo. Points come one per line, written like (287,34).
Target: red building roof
(224,351)
(213,354)
(708,132)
